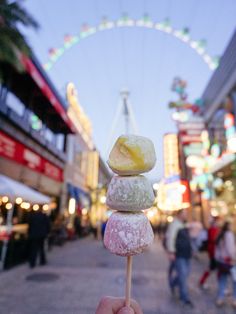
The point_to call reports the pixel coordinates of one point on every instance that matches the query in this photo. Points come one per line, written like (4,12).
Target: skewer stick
(128,281)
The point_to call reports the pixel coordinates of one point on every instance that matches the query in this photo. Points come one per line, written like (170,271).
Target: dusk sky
(144,61)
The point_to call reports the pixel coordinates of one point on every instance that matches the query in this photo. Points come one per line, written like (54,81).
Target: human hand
(112,305)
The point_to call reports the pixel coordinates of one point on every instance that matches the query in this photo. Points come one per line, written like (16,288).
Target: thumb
(126,310)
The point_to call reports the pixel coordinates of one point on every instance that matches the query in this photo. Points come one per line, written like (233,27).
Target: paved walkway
(80,272)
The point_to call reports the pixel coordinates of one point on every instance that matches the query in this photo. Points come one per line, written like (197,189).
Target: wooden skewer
(128,281)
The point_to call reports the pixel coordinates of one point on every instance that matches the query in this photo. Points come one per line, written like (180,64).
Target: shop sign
(194,161)
(231,143)
(171,155)
(186,139)
(11,149)
(51,171)
(215,150)
(32,160)
(76,112)
(223,161)
(196,123)
(173,196)
(193,149)
(190,132)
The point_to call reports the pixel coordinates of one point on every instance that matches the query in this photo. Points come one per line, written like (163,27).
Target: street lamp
(71,208)
(103,199)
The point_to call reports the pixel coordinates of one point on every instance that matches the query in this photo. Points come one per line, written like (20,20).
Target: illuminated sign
(35,122)
(215,150)
(193,149)
(230,132)
(89,161)
(173,196)
(19,153)
(171,155)
(180,116)
(194,161)
(77,115)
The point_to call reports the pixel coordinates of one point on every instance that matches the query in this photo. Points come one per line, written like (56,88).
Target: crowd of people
(182,242)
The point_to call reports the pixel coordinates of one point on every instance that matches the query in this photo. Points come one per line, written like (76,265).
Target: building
(173,191)
(86,175)
(33,136)
(219,111)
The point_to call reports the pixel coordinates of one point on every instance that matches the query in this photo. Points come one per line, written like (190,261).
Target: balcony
(23,123)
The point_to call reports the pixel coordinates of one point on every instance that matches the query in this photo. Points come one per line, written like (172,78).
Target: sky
(143,61)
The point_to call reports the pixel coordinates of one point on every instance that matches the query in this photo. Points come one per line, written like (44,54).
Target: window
(15,104)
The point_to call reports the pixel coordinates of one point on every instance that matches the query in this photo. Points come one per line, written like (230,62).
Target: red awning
(47,91)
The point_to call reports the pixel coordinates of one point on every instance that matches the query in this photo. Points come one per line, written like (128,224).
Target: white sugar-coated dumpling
(128,234)
(132,155)
(130,193)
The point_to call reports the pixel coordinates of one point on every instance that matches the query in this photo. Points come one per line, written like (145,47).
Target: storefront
(219,112)
(16,202)
(33,134)
(224,186)
(21,163)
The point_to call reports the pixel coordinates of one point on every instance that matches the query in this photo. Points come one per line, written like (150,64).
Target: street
(80,272)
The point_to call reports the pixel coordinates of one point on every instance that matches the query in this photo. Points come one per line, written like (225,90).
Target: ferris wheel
(106,24)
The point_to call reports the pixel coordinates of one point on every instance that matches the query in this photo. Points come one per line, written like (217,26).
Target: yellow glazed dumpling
(132,155)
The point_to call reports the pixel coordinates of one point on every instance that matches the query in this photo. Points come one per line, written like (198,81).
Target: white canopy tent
(14,189)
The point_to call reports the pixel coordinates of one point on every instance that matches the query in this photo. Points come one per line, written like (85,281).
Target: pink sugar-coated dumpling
(128,234)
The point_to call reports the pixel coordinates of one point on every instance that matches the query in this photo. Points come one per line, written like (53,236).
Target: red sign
(186,194)
(21,154)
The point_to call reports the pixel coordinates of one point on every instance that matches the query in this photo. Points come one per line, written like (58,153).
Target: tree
(11,40)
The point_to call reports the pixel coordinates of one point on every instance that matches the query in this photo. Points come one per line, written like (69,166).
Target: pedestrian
(179,250)
(77,226)
(212,234)
(195,227)
(39,227)
(111,305)
(225,256)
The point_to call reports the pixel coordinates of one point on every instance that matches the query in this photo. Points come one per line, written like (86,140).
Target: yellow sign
(77,115)
(90,167)
(171,155)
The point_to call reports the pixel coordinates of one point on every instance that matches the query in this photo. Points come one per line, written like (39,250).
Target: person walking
(179,251)
(195,227)
(212,235)
(225,257)
(39,227)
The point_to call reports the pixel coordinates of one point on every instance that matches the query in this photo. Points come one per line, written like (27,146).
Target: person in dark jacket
(39,227)
(179,250)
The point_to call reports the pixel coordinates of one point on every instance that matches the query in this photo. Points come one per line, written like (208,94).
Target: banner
(18,152)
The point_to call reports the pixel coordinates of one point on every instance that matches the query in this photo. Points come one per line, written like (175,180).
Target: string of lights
(199,46)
